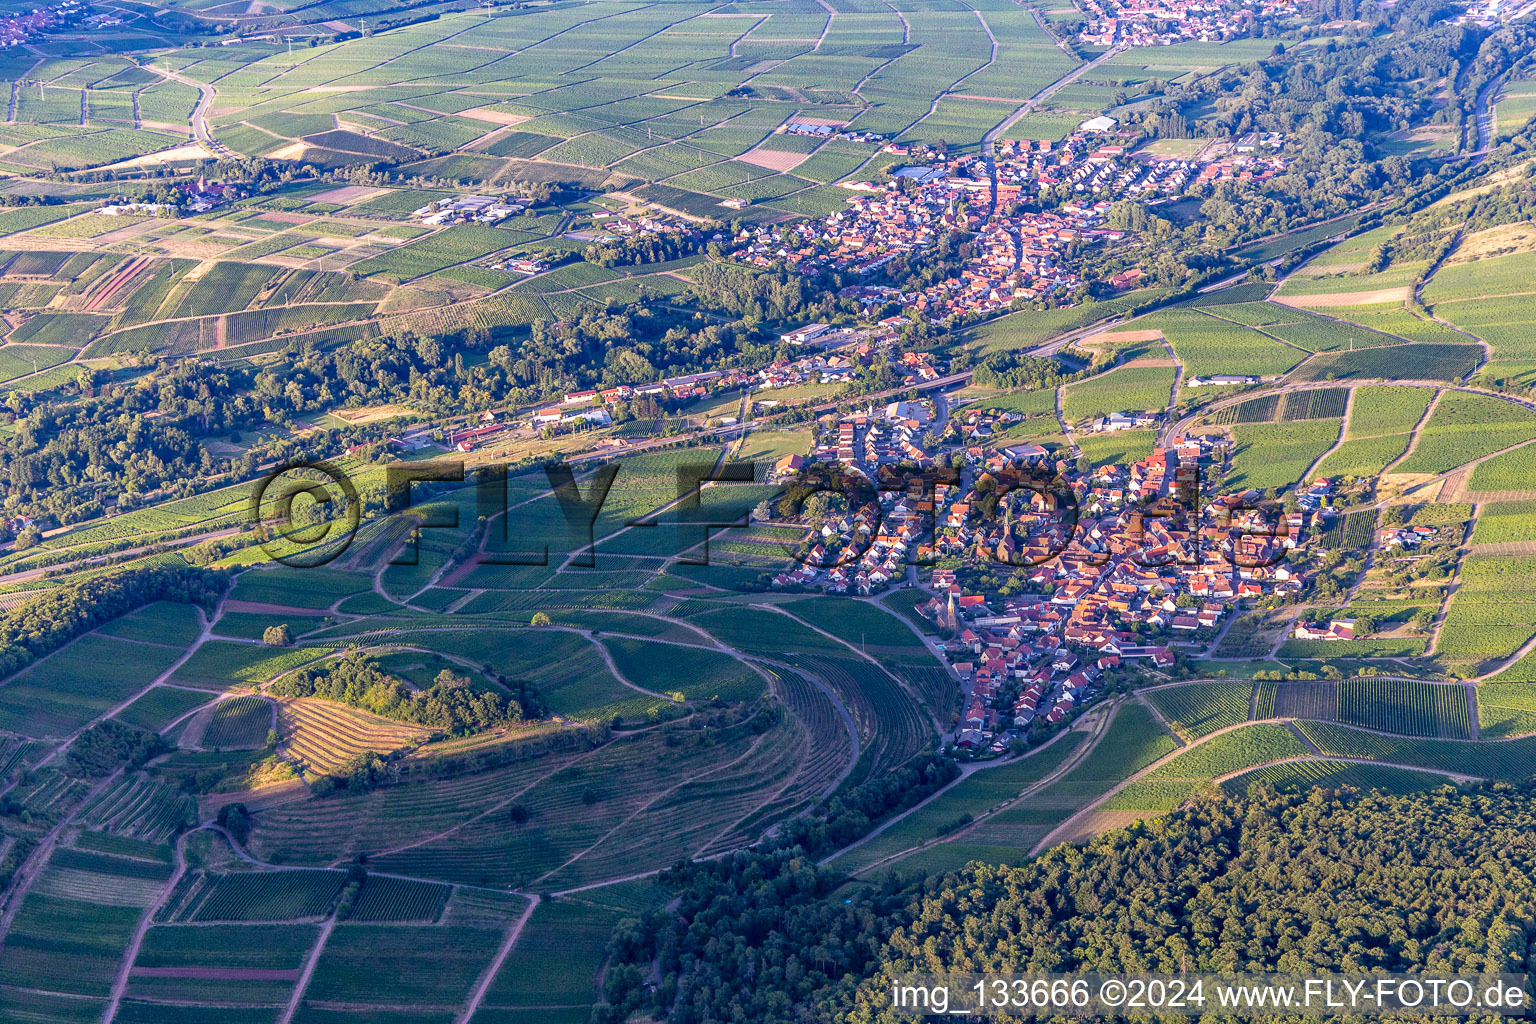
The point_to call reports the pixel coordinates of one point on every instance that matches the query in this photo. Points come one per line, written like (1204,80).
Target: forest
(1329,880)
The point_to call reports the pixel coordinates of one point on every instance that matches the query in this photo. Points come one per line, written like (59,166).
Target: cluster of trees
(109,745)
(649,248)
(140,440)
(1015,371)
(1334,101)
(49,621)
(362,773)
(1253,884)
(451,703)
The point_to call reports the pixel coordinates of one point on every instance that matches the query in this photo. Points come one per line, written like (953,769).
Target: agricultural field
(1510,759)
(1277,454)
(1488,298)
(1429,361)
(1197,709)
(956,807)
(1125,389)
(1493,612)
(1208,344)
(1464,427)
(240,723)
(1505,522)
(1300,776)
(1132,741)
(505,759)
(1411,708)
(1512,471)
(64,691)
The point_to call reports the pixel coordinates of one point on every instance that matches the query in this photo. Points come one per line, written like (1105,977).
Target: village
(1165,22)
(20,28)
(1104,567)
(1013,257)
(1098,160)
(1016,255)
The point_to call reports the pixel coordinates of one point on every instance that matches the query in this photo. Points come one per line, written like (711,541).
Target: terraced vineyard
(322,736)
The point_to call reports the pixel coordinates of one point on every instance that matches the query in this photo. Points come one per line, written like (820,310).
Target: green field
(1277,454)
(1125,389)
(1465,427)
(1196,709)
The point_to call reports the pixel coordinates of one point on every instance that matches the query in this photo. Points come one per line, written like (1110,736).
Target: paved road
(199,118)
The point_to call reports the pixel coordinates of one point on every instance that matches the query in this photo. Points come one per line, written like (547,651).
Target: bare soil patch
(774,160)
(493,116)
(348,194)
(1369,298)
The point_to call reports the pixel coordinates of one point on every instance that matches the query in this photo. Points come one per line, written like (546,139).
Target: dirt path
(120,983)
(309,971)
(1178,376)
(199,118)
(1349,408)
(1413,437)
(484,984)
(607,655)
(1061,421)
(1418,298)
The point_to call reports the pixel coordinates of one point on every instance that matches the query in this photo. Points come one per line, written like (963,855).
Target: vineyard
(1412,708)
(160,705)
(1317,404)
(1196,709)
(1233,751)
(1353,530)
(399,899)
(974,795)
(1465,427)
(1506,709)
(254,896)
(1511,760)
(1505,522)
(1493,611)
(139,807)
(1300,776)
(1316,700)
(1277,454)
(239,723)
(321,736)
